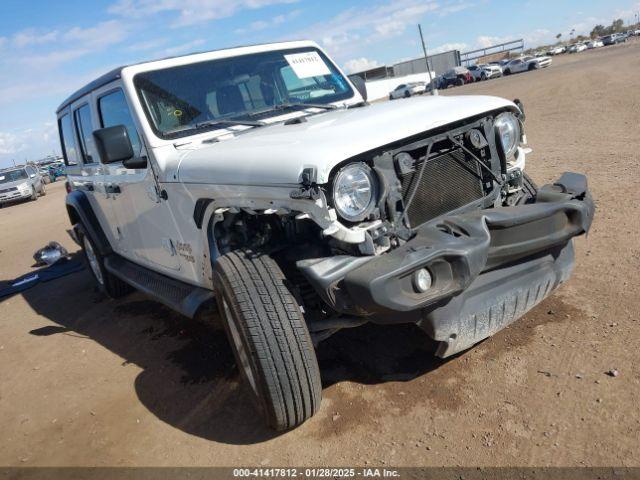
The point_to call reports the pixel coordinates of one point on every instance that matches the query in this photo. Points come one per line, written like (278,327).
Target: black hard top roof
(91,86)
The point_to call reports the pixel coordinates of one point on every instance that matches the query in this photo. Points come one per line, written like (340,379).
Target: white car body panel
(277,155)
(243,167)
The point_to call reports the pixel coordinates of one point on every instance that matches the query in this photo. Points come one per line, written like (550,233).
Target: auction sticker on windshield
(308,64)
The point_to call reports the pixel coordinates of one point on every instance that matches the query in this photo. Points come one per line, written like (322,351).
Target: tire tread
(277,337)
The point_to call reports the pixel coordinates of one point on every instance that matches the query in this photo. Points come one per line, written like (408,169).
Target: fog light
(422,280)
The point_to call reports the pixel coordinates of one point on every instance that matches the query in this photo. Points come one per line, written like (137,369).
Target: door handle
(112,188)
(86,186)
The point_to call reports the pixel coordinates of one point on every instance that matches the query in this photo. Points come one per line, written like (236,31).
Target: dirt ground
(85,380)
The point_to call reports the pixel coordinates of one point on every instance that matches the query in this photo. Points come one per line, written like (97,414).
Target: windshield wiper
(217,123)
(293,105)
(326,106)
(228,123)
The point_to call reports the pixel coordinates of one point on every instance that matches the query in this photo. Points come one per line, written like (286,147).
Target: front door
(144,219)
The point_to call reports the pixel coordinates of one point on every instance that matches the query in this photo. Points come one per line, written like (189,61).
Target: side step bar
(177,295)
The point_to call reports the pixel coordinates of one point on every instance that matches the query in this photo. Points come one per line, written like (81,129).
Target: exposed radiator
(449,181)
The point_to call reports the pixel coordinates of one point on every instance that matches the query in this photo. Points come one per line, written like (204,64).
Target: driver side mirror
(113,145)
(360,85)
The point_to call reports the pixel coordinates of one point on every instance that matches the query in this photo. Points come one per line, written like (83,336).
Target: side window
(85,134)
(114,111)
(68,140)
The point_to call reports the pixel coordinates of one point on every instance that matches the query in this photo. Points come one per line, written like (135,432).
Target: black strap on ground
(59,269)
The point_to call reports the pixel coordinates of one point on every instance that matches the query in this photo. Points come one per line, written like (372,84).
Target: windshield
(13,176)
(180,100)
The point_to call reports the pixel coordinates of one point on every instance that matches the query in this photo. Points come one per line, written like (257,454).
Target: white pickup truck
(259,180)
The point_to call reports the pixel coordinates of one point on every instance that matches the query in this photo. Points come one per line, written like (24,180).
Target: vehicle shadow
(188,377)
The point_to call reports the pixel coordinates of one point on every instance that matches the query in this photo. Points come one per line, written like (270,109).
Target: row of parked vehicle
(51,172)
(459,76)
(578,47)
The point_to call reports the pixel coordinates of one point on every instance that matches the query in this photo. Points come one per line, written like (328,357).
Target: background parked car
(44,173)
(485,71)
(577,48)
(56,170)
(457,76)
(525,64)
(406,90)
(613,39)
(501,63)
(19,183)
(595,44)
(557,50)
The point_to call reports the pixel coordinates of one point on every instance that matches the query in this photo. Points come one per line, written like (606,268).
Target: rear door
(81,166)
(85,125)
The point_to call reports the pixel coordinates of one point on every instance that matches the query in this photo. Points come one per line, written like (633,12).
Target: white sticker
(308,64)
(2,178)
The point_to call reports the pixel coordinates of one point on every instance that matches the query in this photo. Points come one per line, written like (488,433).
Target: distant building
(439,63)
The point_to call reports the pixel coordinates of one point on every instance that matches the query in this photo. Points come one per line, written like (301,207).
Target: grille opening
(450,180)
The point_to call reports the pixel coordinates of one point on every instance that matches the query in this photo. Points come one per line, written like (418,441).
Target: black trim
(456,249)
(199,209)
(101,81)
(175,294)
(79,208)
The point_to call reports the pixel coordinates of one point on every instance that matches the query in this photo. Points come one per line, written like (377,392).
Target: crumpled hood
(277,154)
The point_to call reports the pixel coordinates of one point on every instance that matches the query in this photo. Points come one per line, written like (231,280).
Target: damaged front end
(486,268)
(455,242)
(441,229)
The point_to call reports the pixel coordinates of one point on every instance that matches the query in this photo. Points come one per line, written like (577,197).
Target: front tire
(43,190)
(269,337)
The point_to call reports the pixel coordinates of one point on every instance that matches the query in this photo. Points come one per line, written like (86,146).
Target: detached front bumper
(488,267)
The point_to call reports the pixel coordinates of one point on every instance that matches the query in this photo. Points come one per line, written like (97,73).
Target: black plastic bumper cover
(458,248)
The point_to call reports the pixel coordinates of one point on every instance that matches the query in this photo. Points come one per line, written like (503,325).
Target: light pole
(426,59)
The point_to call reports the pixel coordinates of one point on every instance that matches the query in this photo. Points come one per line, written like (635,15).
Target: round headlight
(508,128)
(353,192)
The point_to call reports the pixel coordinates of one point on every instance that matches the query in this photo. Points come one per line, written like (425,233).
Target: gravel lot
(89,381)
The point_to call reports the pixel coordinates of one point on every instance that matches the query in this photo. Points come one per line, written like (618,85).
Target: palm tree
(558,37)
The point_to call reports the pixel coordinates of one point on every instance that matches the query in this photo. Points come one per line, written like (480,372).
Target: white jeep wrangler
(260,177)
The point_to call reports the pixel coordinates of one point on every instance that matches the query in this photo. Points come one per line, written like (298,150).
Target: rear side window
(85,134)
(114,111)
(68,140)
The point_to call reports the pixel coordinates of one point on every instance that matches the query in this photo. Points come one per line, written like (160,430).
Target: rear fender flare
(81,215)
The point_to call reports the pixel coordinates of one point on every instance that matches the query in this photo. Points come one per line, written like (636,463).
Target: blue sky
(50,48)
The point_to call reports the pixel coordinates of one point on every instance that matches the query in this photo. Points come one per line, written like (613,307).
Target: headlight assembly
(508,131)
(354,191)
